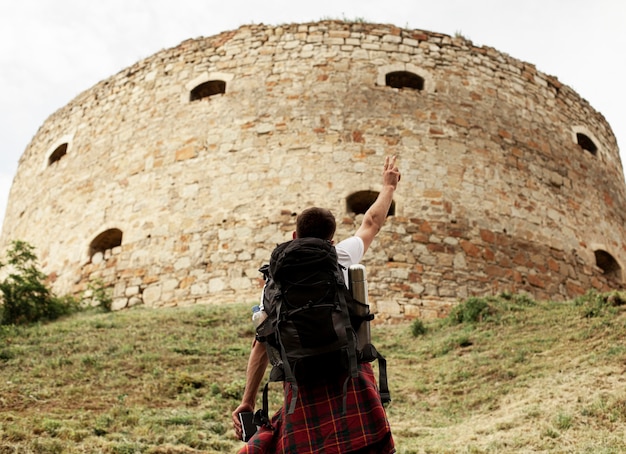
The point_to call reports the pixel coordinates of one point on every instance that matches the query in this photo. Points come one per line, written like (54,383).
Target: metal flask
(358,288)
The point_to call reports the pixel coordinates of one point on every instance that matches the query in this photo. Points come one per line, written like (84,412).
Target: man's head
(316,222)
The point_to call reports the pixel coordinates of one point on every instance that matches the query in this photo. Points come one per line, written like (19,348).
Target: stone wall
(496,194)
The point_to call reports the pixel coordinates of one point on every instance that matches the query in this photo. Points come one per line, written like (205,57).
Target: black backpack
(311,328)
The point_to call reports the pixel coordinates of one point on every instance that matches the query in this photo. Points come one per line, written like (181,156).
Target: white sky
(52,50)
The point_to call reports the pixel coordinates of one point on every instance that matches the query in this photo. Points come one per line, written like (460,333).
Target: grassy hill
(500,375)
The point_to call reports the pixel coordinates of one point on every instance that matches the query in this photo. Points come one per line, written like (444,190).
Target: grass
(500,375)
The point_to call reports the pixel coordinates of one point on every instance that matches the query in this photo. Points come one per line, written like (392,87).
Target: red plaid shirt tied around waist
(318,425)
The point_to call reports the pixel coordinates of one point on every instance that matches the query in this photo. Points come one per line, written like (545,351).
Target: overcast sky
(52,50)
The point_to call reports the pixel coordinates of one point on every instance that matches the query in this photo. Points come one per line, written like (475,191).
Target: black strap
(352,340)
(350,334)
(288,372)
(368,354)
(261,417)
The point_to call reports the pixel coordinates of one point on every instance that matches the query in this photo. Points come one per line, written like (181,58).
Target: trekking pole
(358,288)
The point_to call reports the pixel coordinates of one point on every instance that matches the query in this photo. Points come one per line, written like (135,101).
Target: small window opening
(359,202)
(206,89)
(607,263)
(586,143)
(404,79)
(57,154)
(106,240)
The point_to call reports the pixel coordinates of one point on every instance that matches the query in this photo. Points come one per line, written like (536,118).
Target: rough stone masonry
(172,180)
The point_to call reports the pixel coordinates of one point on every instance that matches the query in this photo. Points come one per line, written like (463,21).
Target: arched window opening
(586,143)
(106,240)
(359,202)
(607,263)
(206,89)
(404,79)
(57,154)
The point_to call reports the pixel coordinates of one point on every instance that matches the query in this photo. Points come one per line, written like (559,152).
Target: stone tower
(172,180)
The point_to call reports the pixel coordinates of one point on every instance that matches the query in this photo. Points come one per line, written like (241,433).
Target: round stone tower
(172,180)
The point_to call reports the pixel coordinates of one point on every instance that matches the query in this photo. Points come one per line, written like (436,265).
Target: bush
(418,328)
(520,299)
(25,295)
(98,295)
(470,311)
(595,304)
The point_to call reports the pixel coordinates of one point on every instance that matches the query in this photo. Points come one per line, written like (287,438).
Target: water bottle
(358,289)
(258,317)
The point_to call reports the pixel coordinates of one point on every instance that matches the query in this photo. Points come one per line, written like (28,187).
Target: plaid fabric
(317,425)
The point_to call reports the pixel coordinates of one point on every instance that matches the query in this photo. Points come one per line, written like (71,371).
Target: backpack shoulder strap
(288,374)
(353,370)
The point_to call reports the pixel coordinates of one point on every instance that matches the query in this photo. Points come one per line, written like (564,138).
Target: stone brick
(187,152)
(520,259)
(487,236)
(421,238)
(470,249)
(119,304)
(152,295)
(495,271)
(536,280)
(489,255)
(389,307)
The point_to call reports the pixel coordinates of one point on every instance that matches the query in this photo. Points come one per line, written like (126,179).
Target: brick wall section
(496,195)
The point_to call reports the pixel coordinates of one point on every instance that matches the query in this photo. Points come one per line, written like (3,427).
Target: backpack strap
(368,354)
(261,417)
(350,335)
(289,375)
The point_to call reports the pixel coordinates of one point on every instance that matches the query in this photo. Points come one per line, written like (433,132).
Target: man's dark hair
(316,222)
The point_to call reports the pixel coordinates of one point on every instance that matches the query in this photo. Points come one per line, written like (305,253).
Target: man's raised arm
(375,216)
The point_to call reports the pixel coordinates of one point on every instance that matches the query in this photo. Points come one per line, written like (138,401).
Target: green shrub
(520,299)
(25,295)
(98,295)
(595,304)
(418,328)
(472,310)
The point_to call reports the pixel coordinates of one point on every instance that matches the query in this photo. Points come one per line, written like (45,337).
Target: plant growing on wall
(98,295)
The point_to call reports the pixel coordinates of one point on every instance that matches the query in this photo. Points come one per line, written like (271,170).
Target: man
(317,425)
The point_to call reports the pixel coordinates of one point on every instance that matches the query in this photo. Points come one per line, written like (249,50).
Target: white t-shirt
(349,252)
